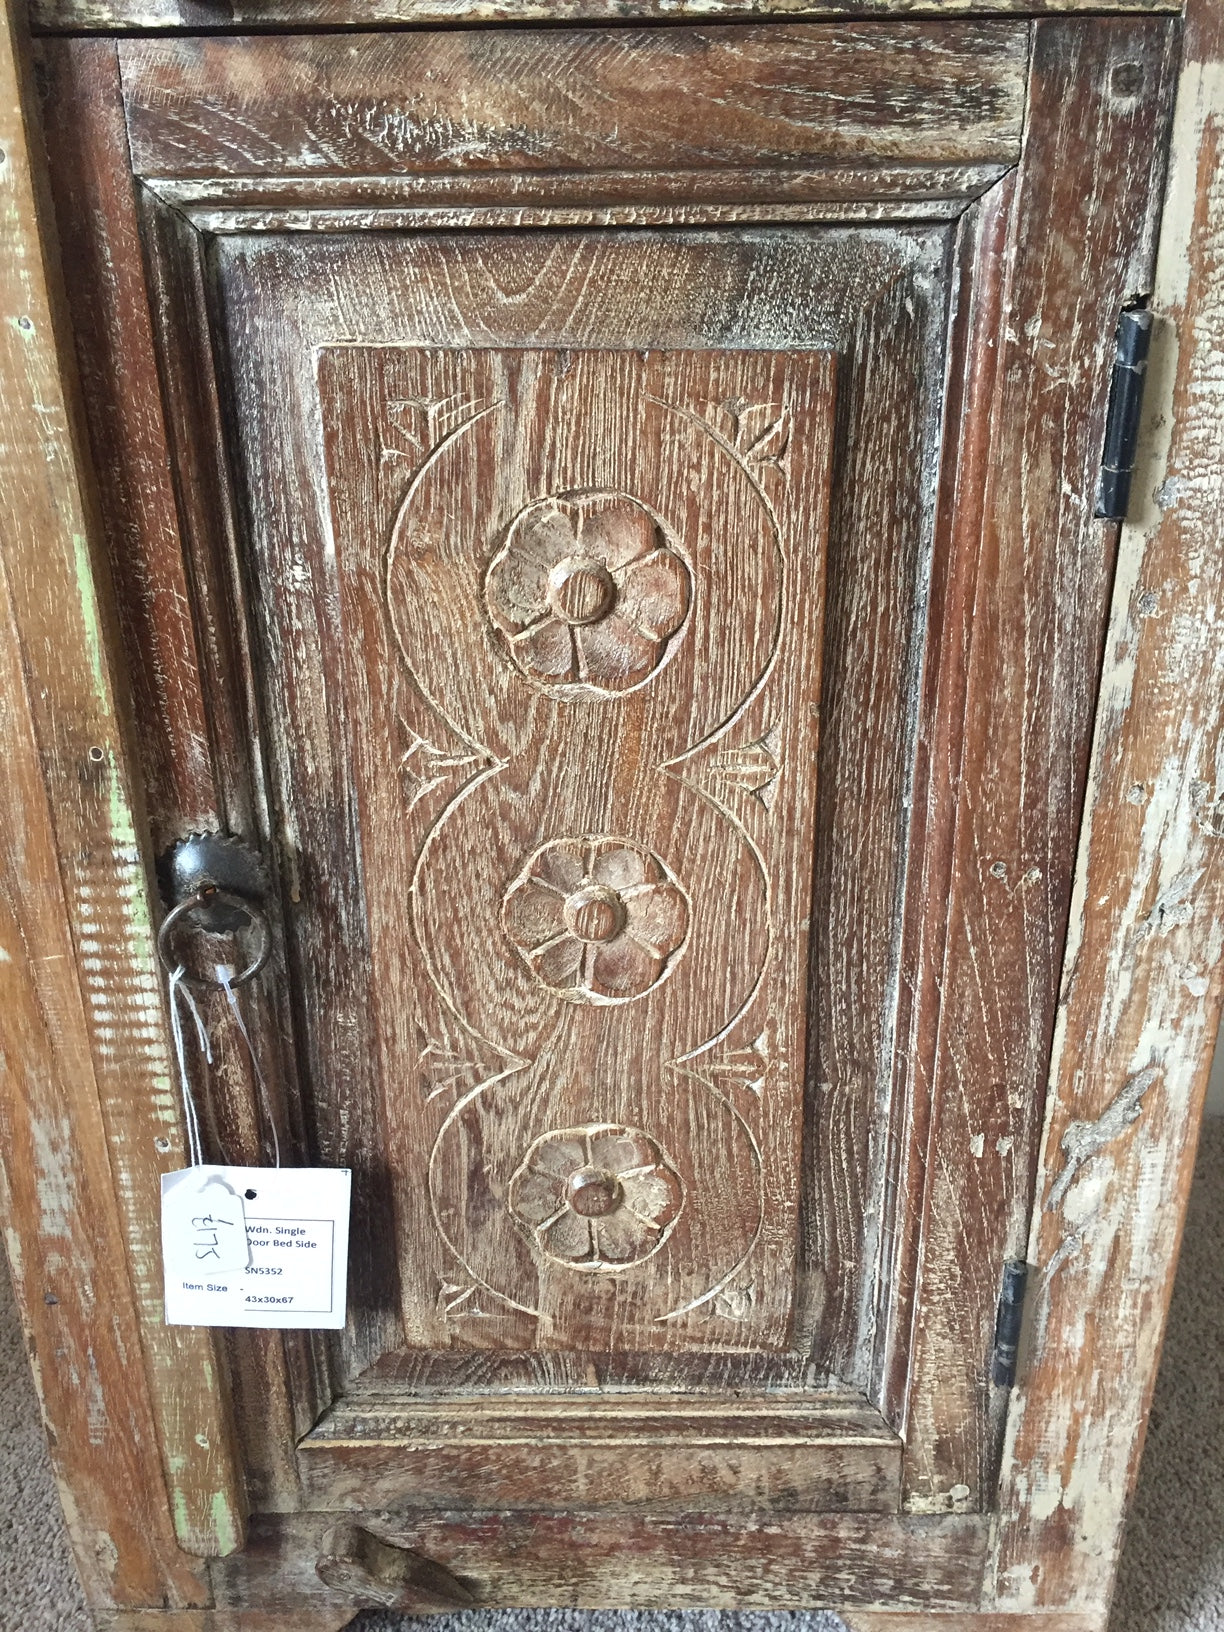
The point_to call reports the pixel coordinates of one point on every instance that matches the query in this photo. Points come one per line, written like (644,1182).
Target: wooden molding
(237,1620)
(835,1454)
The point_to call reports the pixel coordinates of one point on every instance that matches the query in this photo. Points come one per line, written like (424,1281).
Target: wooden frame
(84,1034)
(202,15)
(85,117)
(1139,1002)
(1014,227)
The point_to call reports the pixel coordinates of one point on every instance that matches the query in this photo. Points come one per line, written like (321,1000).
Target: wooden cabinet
(609,513)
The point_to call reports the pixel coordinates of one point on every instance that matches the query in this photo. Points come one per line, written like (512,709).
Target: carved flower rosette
(587,593)
(596,1198)
(596,919)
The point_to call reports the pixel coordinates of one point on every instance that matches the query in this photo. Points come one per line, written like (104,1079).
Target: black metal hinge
(1007,1324)
(1122,420)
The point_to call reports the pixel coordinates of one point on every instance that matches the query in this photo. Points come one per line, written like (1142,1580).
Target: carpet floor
(1172,1575)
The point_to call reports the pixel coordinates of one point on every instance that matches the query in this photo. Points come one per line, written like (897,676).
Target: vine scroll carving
(594,633)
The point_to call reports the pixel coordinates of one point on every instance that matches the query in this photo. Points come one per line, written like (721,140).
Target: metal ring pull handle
(208,895)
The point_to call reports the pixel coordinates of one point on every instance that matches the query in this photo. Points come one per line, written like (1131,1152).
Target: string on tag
(179,992)
(225,975)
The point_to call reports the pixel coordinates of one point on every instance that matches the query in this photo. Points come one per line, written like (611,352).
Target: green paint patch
(218,1537)
(225,1524)
(83,567)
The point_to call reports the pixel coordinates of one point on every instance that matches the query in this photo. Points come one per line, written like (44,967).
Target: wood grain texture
(379,1576)
(918,1619)
(89,1098)
(742,186)
(684,99)
(813,1454)
(972,361)
(880,536)
(177,734)
(848,291)
(1008,740)
(199,16)
(282,1375)
(641,540)
(586,1560)
(1142,981)
(1014,260)
(1018,611)
(210,218)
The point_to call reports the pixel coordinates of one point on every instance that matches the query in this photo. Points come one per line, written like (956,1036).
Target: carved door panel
(578,655)
(648,616)
(551,616)
(546,617)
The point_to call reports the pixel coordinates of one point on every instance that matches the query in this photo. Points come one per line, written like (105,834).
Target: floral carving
(598,920)
(600,1197)
(586,592)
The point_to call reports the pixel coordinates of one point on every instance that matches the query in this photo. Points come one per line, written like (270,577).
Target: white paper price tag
(256,1246)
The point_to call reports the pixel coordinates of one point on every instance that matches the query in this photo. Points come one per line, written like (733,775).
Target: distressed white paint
(1134,1034)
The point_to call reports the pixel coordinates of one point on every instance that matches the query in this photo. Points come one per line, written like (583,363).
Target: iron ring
(208,896)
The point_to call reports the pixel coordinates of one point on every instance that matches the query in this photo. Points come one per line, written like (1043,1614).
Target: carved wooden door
(619,536)
(560,643)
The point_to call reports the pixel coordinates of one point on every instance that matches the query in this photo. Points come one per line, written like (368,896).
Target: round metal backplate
(213,858)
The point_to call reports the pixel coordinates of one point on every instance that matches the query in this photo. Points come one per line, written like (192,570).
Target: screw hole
(1127,79)
(251,1194)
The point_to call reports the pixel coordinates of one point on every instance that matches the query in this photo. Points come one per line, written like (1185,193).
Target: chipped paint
(54,1179)
(1084,1140)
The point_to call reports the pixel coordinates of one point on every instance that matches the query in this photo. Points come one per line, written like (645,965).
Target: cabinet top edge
(223,16)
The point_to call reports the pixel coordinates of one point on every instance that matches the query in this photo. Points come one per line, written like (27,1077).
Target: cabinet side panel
(1079,251)
(1142,981)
